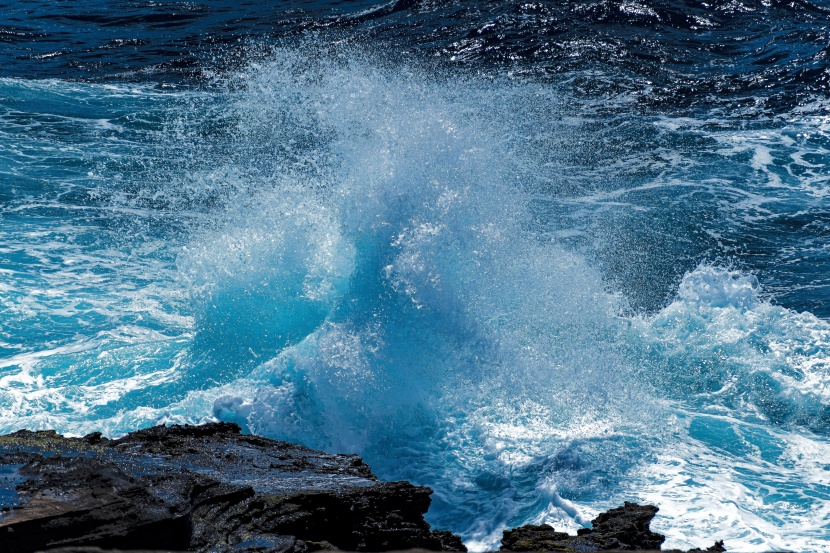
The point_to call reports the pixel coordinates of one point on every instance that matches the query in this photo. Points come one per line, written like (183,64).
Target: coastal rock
(624,528)
(201,488)
(533,537)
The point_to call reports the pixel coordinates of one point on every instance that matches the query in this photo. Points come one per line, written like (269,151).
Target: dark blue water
(542,257)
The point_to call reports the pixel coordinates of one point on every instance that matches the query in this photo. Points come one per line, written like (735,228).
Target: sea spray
(425,269)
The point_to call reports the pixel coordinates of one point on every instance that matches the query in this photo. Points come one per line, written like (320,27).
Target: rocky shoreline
(212,489)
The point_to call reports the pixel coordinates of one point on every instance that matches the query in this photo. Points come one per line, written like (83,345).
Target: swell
(763,57)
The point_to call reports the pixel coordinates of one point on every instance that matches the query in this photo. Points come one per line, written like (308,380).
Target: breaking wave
(440,273)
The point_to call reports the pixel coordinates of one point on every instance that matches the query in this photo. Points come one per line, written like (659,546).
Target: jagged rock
(717,548)
(448,541)
(535,538)
(202,488)
(624,528)
(89,549)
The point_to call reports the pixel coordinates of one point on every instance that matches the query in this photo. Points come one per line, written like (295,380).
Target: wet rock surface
(624,528)
(202,488)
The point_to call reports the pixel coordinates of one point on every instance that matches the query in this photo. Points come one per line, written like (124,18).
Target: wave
(424,270)
(456,347)
(672,55)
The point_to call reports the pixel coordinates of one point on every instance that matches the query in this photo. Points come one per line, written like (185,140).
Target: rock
(624,528)
(535,538)
(717,548)
(202,488)
(90,549)
(448,541)
(99,550)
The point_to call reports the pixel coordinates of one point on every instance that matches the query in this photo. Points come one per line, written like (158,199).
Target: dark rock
(625,528)
(203,488)
(448,541)
(535,538)
(92,549)
(94,438)
(717,548)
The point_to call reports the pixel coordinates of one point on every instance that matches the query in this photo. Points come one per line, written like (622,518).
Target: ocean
(541,256)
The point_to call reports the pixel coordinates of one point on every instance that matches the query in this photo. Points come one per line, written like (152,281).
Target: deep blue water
(543,257)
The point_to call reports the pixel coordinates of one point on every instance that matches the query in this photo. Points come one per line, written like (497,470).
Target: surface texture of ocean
(543,257)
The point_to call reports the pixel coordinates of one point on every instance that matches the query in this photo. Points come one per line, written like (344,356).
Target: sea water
(541,258)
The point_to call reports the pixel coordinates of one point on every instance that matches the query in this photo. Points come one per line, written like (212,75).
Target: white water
(349,256)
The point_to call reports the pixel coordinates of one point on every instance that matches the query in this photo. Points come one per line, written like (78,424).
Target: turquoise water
(537,303)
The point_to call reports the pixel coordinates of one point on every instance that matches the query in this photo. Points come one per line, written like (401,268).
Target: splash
(355,256)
